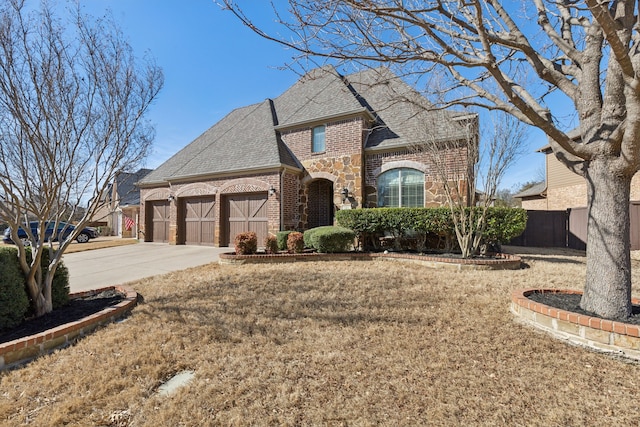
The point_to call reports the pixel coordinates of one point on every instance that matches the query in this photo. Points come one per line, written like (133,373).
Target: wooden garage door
(246,213)
(199,222)
(159,220)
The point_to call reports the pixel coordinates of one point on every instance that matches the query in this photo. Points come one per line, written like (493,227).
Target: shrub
(14,302)
(329,239)
(503,224)
(295,242)
(271,244)
(246,243)
(281,237)
(421,226)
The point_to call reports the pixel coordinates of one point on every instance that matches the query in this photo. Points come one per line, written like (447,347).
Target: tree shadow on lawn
(274,313)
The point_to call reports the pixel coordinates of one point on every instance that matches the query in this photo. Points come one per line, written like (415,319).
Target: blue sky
(213,64)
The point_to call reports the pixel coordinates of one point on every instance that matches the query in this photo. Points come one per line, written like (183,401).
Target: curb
(19,351)
(587,331)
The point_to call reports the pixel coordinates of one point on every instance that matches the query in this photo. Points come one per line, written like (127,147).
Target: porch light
(171,198)
(345,194)
(272,191)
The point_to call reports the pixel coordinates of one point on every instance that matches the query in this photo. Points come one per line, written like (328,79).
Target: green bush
(329,239)
(426,228)
(503,224)
(295,242)
(246,243)
(281,238)
(271,244)
(14,302)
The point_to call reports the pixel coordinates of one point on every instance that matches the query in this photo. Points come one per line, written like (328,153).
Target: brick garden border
(593,332)
(500,262)
(22,350)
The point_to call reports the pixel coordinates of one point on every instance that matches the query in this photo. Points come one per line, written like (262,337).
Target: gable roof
(404,116)
(248,138)
(536,190)
(246,135)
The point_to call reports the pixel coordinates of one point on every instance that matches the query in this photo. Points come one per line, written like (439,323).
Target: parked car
(63,231)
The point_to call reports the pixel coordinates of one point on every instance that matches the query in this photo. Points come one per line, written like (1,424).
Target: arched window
(401,188)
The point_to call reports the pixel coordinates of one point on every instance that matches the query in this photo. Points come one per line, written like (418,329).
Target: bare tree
(470,167)
(72,105)
(529,59)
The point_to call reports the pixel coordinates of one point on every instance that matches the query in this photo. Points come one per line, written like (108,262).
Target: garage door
(199,222)
(159,221)
(246,213)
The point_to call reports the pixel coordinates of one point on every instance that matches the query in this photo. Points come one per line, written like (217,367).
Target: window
(318,145)
(401,188)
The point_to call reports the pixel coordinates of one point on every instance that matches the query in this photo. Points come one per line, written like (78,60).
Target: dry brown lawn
(100,243)
(336,343)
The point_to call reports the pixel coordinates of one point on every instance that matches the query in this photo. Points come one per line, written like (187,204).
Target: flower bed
(21,350)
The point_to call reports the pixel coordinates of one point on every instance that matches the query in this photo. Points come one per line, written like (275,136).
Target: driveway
(117,265)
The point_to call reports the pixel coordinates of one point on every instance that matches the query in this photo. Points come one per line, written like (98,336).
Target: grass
(335,343)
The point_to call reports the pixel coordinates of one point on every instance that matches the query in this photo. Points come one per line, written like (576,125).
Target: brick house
(563,189)
(329,142)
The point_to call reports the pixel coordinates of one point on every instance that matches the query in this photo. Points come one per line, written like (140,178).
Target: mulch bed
(571,302)
(75,310)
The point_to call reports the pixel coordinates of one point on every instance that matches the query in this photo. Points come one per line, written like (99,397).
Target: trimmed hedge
(329,239)
(295,242)
(422,228)
(14,302)
(271,244)
(246,243)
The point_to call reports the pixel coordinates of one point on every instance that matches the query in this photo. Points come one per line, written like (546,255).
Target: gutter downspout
(282,170)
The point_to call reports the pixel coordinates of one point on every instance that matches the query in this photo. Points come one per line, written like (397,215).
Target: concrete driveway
(117,265)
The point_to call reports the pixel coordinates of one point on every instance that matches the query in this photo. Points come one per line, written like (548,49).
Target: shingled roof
(248,138)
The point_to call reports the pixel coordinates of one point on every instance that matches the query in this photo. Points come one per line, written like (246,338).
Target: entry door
(199,217)
(247,213)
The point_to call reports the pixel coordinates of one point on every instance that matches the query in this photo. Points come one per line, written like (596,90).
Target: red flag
(128,223)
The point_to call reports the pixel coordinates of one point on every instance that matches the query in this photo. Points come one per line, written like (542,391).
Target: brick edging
(21,350)
(589,331)
(503,261)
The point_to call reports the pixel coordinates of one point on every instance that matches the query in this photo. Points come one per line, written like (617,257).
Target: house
(121,209)
(563,189)
(328,142)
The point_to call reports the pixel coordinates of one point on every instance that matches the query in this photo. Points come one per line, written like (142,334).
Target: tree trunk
(607,291)
(41,301)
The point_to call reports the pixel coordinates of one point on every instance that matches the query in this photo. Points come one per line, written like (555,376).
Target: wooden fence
(567,229)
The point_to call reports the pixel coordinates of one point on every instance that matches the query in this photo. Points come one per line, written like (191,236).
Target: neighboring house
(563,188)
(328,142)
(534,197)
(121,210)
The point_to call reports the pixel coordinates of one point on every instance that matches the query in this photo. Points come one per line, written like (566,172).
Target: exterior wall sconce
(345,194)
(171,198)
(272,191)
